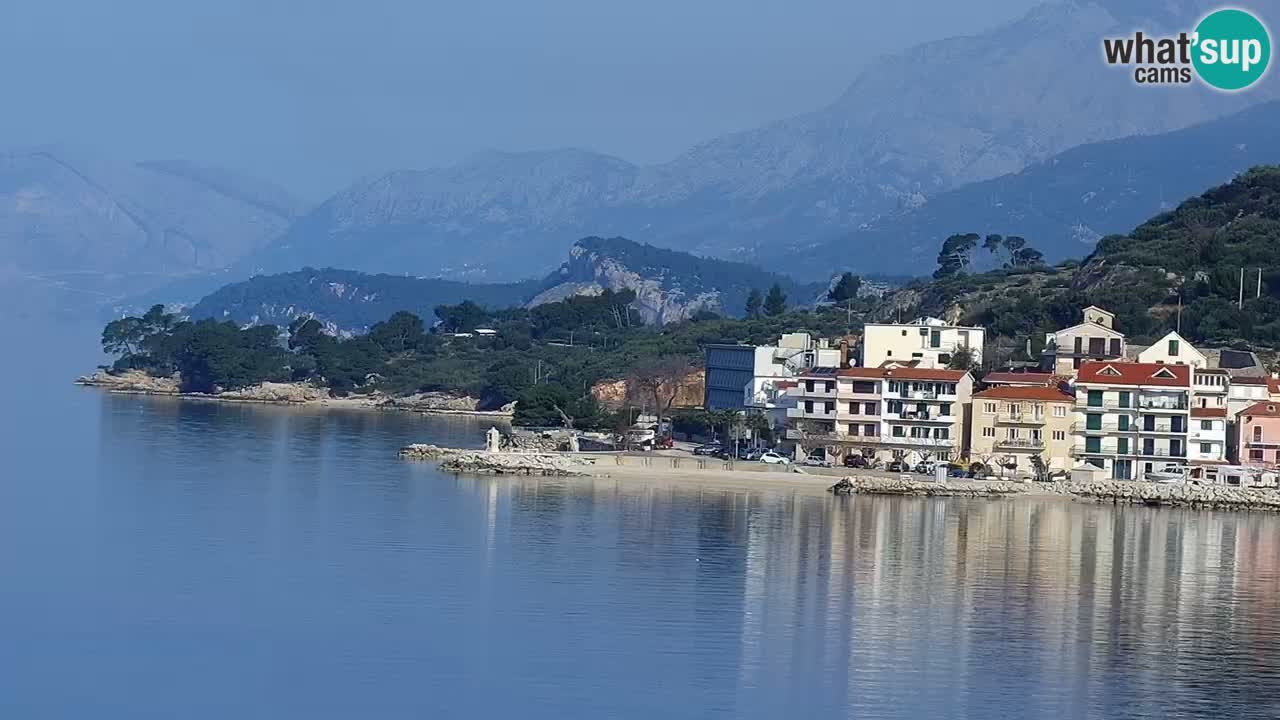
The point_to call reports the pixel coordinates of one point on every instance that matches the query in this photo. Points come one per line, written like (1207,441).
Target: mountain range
(1022,129)
(910,127)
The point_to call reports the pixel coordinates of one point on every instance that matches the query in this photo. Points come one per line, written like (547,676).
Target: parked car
(927,467)
(1170,474)
(709,449)
(817,461)
(854,460)
(756,453)
(773,458)
(897,466)
(957,471)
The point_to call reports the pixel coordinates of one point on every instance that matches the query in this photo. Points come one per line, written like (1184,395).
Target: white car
(773,458)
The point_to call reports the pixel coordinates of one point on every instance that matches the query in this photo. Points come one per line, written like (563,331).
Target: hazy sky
(313,93)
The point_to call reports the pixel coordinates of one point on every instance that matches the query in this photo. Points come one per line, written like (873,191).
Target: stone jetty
(874,485)
(498,463)
(1216,497)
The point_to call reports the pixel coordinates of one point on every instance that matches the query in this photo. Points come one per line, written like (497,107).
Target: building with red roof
(1259,434)
(1012,425)
(1132,418)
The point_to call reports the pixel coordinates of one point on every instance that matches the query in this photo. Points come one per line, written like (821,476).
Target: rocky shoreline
(499,463)
(135,382)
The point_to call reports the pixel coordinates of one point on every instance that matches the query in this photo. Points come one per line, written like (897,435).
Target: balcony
(1112,405)
(831,437)
(1020,419)
(817,413)
(1104,428)
(1162,405)
(1079,451)
(1262,444)
(1020,444)
(920,442)
(818,391)
(919,416)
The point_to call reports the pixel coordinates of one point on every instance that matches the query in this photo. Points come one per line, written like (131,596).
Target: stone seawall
(874,485)
(1217,497)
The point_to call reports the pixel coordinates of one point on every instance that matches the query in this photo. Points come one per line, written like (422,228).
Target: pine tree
(754,302)
(846,289)
(775,303)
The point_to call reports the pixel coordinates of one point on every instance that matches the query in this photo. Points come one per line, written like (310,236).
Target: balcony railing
(1166,405)
(1020,444)
(920,441)
(1131,428)
(1079,451)
(831,437)
(800,412)
(1020,418)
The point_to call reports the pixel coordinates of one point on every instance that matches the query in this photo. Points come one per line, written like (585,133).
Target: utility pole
(1179,313)
(1240,302)
(1259,295)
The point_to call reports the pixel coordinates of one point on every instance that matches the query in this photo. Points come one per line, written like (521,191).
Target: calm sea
(161,559)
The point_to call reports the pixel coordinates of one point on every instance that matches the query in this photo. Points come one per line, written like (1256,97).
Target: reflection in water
(287,555)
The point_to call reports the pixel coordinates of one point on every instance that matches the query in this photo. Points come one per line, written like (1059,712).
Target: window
(988,432)
(898,431)
(1115,347)
(1206,424)
(1257,434)
(1037,434)
(1093,445)
(808,386)
(1122,446)
(828,407)
(946,409)
(1059,435)
(1173,348)
(1124,398)
(1012,433)
(808,406)
(1093,422)
(869,408)
(853,429)
(1122,423)
(989,408)
(1095,398)
(1059,411)
(1205,448)
(853,408)
(831,386)
(1255,455)
(942,433)
(1011,409)
(870,429)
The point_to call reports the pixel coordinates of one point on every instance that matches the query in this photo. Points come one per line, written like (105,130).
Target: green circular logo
(1232,49)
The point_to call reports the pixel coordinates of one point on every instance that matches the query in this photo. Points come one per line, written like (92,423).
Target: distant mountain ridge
(1065,204)
(669,285)
(910,127)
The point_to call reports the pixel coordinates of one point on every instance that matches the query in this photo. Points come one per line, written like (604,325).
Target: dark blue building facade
(728,370)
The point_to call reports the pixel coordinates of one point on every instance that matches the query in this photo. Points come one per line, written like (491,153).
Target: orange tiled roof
(1033,392)
(1134,373)
(1262,409)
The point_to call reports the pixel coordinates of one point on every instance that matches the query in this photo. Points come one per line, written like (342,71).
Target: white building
(1093,339)
(1207,443)
(1244,391)
(1173,349)
(930,341)
(748,377)
(1132,418)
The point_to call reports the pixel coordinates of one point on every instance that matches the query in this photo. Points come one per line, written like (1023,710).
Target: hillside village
(909,394)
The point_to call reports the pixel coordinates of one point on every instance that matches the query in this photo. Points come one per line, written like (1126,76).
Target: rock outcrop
(1218,497)
(132,381)
(497,463)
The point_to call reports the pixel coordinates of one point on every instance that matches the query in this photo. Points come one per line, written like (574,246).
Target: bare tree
(660,380)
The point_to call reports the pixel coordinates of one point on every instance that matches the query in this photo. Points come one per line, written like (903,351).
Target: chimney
(844,352)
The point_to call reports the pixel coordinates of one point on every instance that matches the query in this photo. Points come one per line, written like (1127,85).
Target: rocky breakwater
(497,463)
(1214,497)
(870,485)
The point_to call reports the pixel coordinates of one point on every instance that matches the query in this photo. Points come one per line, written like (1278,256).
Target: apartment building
(929,341)
(1131,418)
(1208,436)
(889,413)
(1011,424)
(744,377)
(838,409)
(1246,391)
(1173,349)
(924,414)
(1259,435)
(1095,338)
